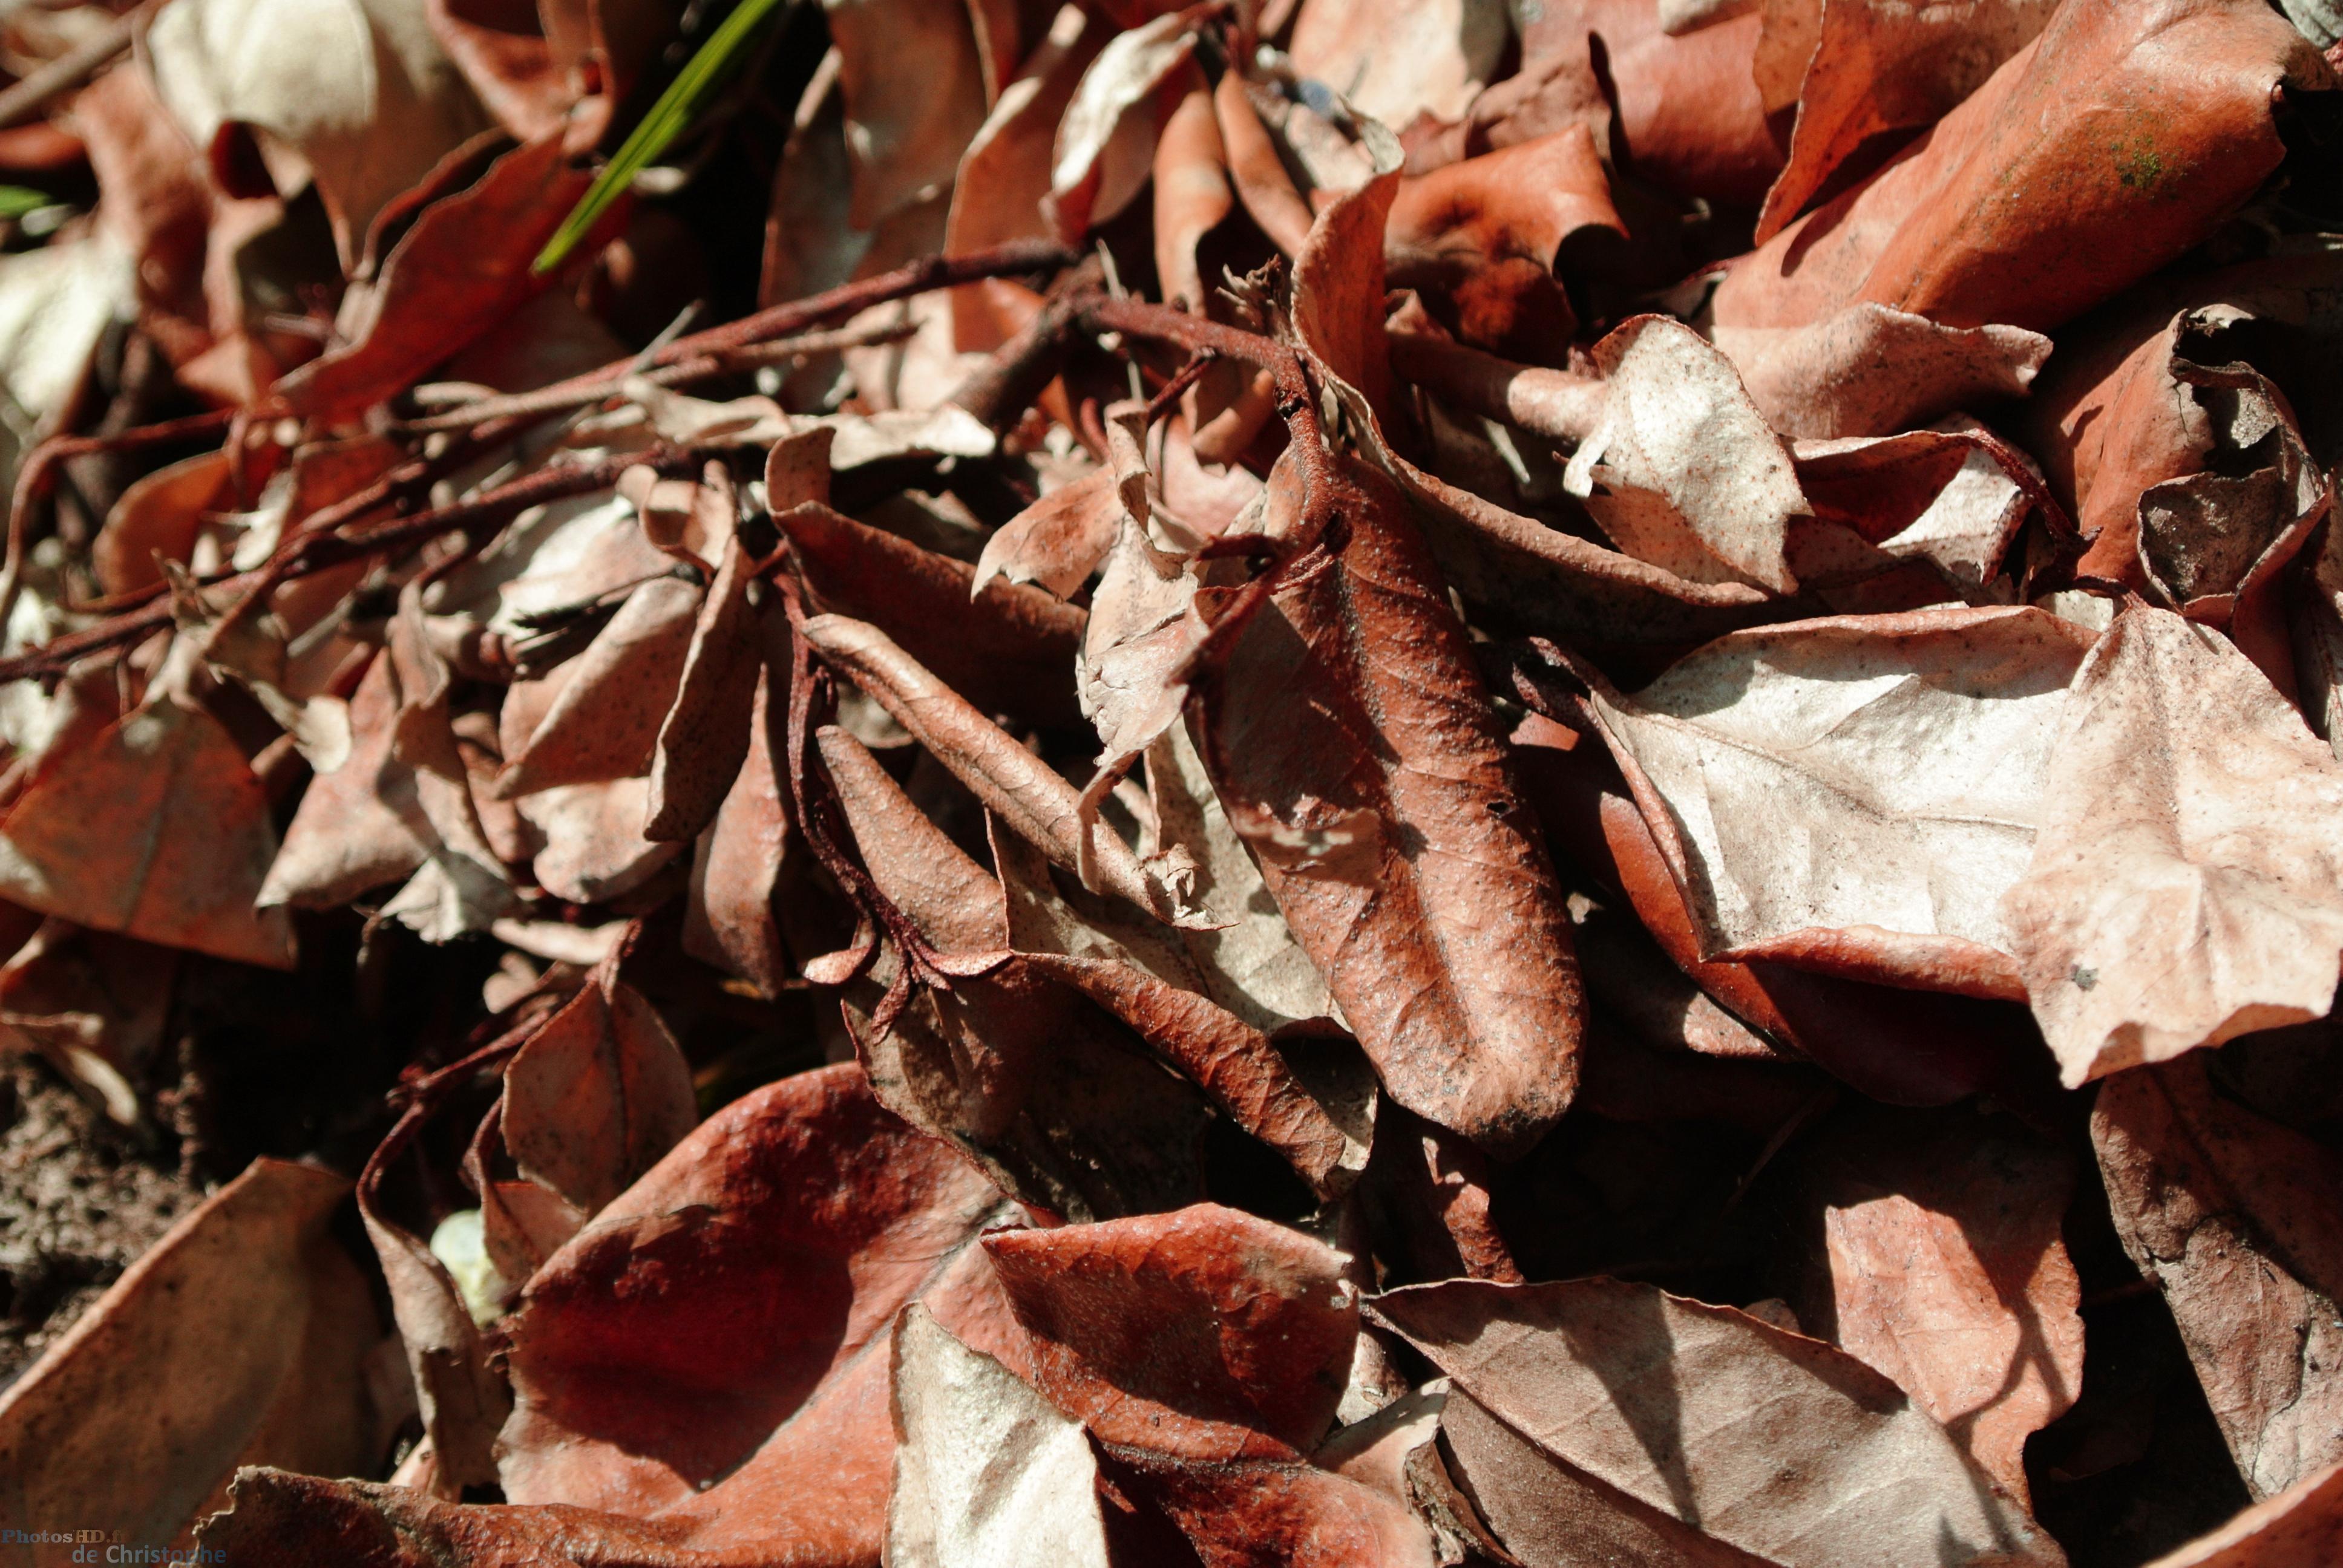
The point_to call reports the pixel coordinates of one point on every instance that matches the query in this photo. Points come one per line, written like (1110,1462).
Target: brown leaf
(1041,1088)
(1038,804)
(529,68)
(1871,369)
(1480,238)
(1381,809)
(1193,195)
(2185,885)
(1646,1404)
(2233,1216)
(1207,1336)
(1904,1046)
(1059,540)
(801,1219)
(1004,646)
(1106,140)
(596,1095)
(599,717)
(160,515)
(1682,470)
(241,1338)
(1943,1268)
(185,840)
(905,130)
(1875,69)
(742,862)
(1776,762)
(2152,121)
(705,737)
(458,270)
(1681,111)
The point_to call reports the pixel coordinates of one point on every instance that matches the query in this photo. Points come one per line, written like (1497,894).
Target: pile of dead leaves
(1374,782)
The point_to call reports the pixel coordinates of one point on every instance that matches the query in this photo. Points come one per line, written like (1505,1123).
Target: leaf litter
(1320,781)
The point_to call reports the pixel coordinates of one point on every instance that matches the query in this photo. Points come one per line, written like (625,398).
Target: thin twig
(560,399)
(41,465)
(317,550)
(31,95)
(930,272)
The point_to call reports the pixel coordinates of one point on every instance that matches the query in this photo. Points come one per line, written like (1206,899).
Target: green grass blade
(15,201)
(668,118)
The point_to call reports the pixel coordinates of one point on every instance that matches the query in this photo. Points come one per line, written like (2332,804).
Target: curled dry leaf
(2226,1212)
(356,95)
(1669,1427)
(1041,807)
(1766,819)
(1003,645)
(1387,829)
(1690,478)
(1481,238)
(1394,60)
(459,269)
(596,1095)
(1059,540)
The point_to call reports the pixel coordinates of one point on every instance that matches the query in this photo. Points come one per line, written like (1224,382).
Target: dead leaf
(1876,69)
(2182,887)
(188,845)
(242,1337)
(1657,1417)
(2226,1212)
(987,1475)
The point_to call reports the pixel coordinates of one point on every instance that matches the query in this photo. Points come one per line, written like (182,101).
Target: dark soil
(80,1198)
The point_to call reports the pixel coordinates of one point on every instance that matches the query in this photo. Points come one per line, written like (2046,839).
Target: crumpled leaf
(356,95)
(1659,1418)
(1691,478)
(2230,1214)
(456,272)
(1106,141)
(1018,1072)
(1039,804)
(987,1475)
(1059,540)
(1480,238)
(599,717)
(596,1095)
(1386,827)
(2184,886)
(1005,646)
